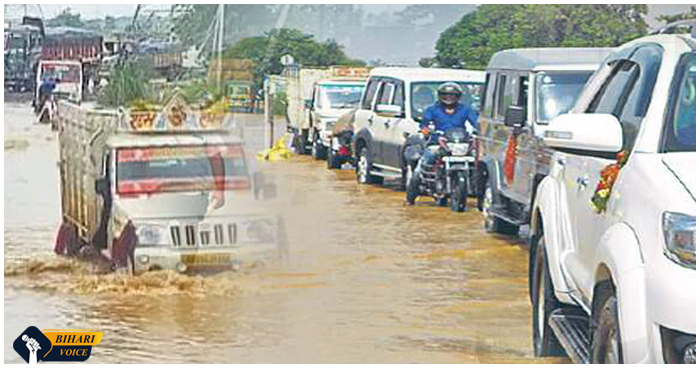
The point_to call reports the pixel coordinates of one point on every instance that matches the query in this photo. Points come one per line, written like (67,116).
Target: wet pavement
(368,280)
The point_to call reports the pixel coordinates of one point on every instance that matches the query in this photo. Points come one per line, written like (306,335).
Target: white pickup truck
(177,179)
(612,250)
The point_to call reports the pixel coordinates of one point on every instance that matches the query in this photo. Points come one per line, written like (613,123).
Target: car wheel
(363,168)
(492,223)
(544,302)
(317,148)
(606,345)
(458,197)
(332,159)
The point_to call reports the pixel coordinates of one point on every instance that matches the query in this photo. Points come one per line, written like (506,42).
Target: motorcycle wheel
(413,189)
(458,197)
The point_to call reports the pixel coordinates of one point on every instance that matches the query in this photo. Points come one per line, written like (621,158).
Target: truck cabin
(66,75)
(153,164)
(338,94)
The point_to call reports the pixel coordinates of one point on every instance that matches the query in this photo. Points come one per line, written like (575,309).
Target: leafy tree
(472,41)
(267,50)
(65,19)
(668,19)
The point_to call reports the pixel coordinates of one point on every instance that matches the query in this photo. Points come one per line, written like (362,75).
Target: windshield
(557,93)
(424,95)
(181,168)
(64,73)
(340,96)
(680,123)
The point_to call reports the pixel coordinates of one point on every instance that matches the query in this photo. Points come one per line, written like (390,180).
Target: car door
(364,117)
(526,147)
(626,95)
(501,133)
(382,124)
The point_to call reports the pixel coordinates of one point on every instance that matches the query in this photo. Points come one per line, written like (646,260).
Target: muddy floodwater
(368,279)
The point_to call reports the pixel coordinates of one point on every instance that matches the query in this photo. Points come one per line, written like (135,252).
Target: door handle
(386,122)
(371,119)
(582,182)
(561,162)
(406,135)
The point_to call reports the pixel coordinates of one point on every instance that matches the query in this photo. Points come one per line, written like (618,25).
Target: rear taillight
(343,151)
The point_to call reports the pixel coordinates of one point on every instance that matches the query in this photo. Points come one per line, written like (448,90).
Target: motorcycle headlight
(458,149)
(152,235)
(261,231)
(679,234)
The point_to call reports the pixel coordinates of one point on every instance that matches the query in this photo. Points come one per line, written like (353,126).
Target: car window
(425,94)
(386,94)
(609,97)
(556,93)
(501,110)
(679,131)
(399,95)
(635,105)
(484,96)
(369,93)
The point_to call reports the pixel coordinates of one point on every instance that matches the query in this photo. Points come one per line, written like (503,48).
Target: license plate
(205,258)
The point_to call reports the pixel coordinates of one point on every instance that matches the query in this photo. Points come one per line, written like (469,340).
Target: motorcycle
(46,110)
(340,151)
(448,177)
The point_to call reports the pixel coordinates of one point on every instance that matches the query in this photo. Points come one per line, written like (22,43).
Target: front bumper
(670,306)
(182,259)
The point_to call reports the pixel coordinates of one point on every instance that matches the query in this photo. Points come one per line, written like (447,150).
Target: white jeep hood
(684,167)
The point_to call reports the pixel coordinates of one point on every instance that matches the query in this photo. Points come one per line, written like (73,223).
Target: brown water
(369,280)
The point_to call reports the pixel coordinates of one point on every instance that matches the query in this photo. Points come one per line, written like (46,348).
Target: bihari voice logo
(34,345)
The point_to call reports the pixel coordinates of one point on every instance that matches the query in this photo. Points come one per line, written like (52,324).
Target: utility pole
(219,46)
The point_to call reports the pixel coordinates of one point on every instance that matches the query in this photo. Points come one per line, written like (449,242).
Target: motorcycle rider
(447,113)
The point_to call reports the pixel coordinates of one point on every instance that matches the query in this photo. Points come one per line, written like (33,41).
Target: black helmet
(449,93)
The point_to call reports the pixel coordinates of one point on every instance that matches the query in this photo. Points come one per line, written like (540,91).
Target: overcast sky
(99,11)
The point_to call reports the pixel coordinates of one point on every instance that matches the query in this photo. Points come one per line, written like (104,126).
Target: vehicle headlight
(152,235)
(261,231)
(679,234)
(458,149)
(328,124)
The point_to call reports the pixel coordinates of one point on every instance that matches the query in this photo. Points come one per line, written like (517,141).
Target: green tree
(472,41)
(267,50)
(65,19)
(668,19)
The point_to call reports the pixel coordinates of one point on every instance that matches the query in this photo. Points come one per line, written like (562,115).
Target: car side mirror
(101,185)
(585,132)
(515,116)
(389,111)
(309,104)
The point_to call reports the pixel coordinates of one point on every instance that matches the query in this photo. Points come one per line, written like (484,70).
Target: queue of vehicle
(612,267)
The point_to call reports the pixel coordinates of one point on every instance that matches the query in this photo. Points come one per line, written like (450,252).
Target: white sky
(101,10)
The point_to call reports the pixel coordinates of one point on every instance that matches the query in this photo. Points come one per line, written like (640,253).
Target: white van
(391,110)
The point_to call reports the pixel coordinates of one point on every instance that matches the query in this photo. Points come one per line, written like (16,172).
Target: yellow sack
(278,152)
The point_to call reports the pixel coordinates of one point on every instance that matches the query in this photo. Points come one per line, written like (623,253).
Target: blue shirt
(444,121)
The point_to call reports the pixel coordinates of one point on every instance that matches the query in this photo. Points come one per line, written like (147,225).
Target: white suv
(612,249)
(391,110)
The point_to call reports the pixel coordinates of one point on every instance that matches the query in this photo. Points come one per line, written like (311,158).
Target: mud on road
(368,280)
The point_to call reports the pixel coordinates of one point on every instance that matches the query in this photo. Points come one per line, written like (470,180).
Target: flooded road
(369,280)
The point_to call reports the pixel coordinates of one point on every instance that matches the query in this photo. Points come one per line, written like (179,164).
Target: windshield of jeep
(339,96)
(180,168)
(557,93)
(424,95)
(681,119)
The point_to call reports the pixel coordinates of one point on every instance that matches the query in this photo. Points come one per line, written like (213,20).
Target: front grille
(193,235)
